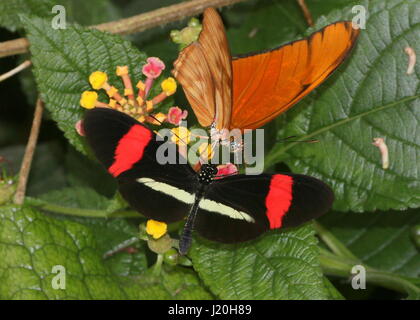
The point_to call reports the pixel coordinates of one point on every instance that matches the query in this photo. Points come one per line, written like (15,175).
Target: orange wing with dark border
(267,84)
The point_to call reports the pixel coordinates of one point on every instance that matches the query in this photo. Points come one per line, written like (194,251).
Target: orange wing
(267,84)
(204,69)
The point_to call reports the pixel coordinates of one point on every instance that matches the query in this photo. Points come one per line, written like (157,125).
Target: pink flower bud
(176,115)
(153,68)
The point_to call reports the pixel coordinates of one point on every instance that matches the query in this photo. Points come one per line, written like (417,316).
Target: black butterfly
(232,209)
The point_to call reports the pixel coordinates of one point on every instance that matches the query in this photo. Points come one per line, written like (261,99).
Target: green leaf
(380,239)
(63,61)
(333,293)
(371,96)
(79,11)
(31,244)
(172,284)
(276,266)
(79,197)
(112,235)
(322,7)
(131,268)
(84,12)
(10,10)
(259,25)
(414,296)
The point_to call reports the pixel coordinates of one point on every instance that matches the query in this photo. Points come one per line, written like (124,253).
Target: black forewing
(310,199)
(104,128)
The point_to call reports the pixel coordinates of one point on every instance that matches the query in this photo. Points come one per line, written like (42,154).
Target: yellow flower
(181,134)
(112,91)
(122,70)
(128,92)
(156,228)
(88,99)
(149,105)
(97,79)
(141,85)
(206,151)
(169,86)
(112,103)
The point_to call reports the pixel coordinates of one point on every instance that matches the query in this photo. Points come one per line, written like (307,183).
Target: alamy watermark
(359,20)
(358,280)
(234,146)
(59,20)
(58,282)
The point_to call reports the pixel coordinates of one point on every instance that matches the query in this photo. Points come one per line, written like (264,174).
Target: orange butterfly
(248,91)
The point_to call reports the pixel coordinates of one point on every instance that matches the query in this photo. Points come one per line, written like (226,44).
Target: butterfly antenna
(152,116)
(213,147)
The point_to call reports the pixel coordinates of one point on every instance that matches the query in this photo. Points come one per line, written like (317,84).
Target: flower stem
(157,267)
(341,260)
(332,242)
(334,265)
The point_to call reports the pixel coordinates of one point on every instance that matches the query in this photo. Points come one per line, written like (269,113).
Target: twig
(121,246)
(133,24)
(29,153)
(306,12)
(18,69)
(12,47)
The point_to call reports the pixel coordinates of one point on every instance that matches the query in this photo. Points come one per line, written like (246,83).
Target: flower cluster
(137,105)
(140,106)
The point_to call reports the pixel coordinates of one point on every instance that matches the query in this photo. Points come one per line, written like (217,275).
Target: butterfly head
(235,146)
(207,173)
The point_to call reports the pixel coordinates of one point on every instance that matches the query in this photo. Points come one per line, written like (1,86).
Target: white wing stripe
(222,209)
(205,204)
(167,189)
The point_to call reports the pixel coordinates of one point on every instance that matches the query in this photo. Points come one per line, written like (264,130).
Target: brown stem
(29,153)
(133,24)
(306,12)
(19,68)
(12,47)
